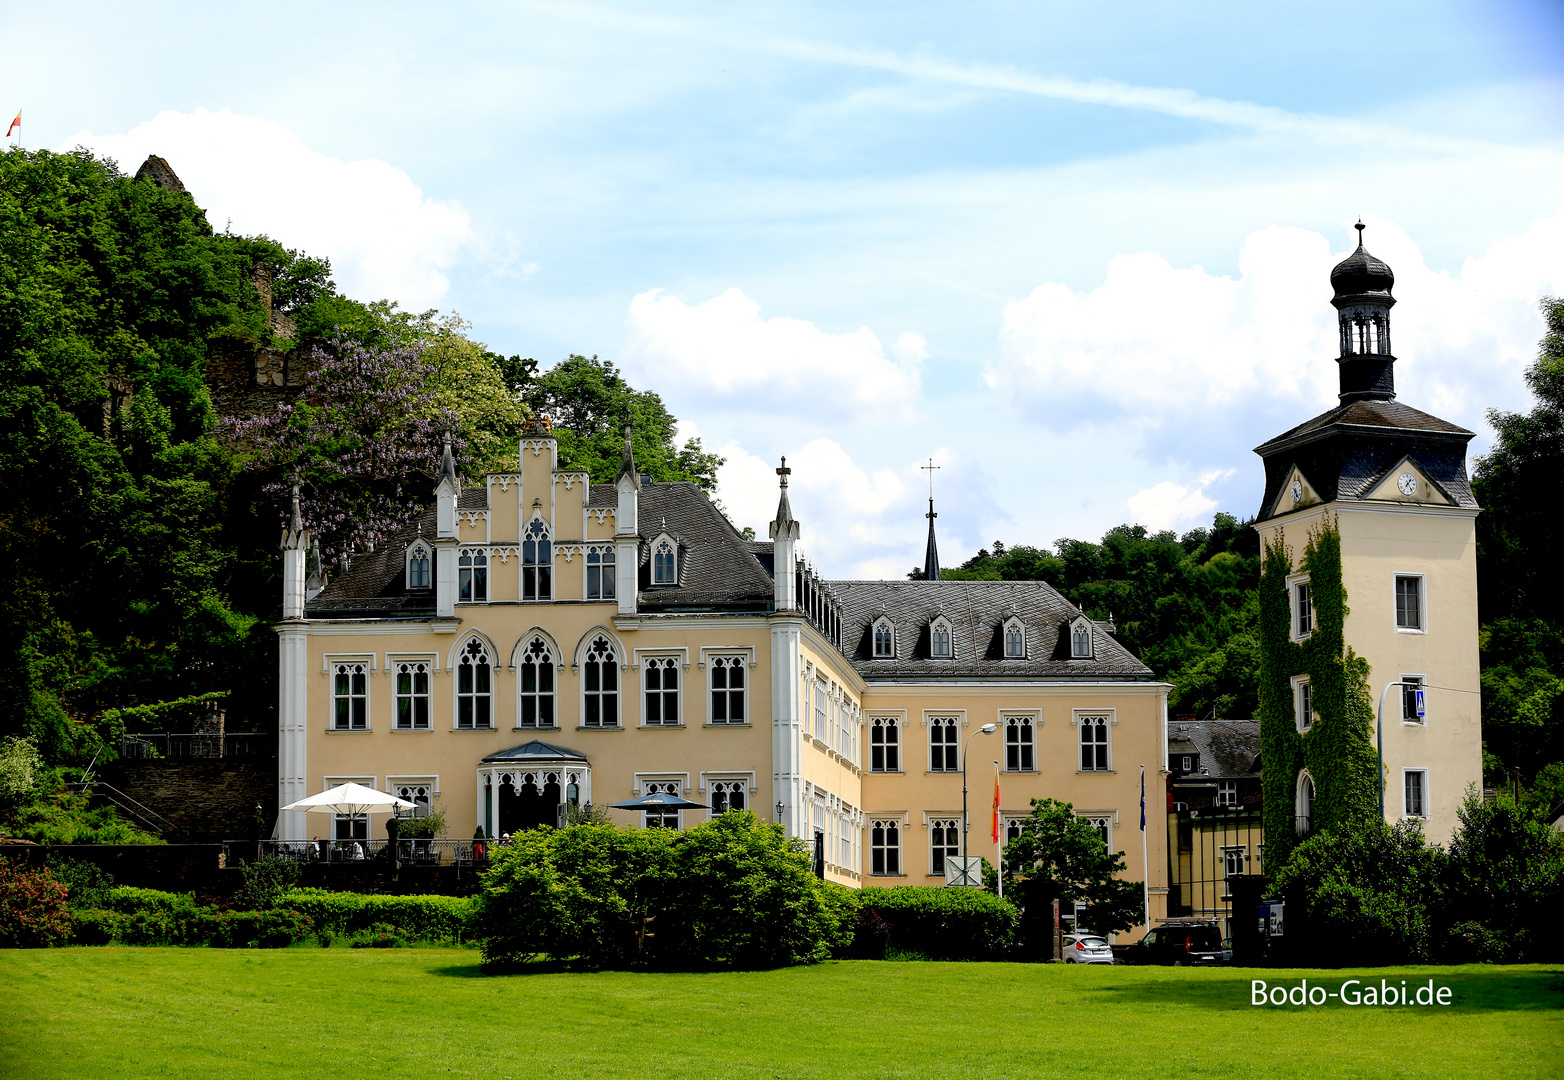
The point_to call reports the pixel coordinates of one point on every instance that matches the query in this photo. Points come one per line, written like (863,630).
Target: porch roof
(535,751)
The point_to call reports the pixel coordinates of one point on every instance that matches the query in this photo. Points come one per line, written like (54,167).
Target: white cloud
(1199,367)
(384,237)
(721,353)
(1169,506)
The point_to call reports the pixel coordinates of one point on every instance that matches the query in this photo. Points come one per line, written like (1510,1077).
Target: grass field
(412,1013)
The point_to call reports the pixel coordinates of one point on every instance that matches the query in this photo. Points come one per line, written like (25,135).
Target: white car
(1087,949)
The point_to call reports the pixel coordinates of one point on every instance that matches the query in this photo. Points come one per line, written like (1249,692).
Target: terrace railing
(458,853)
(183,746)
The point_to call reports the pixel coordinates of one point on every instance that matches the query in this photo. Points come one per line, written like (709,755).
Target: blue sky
(1079,259)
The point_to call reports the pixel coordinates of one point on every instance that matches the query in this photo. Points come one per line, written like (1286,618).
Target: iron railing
(359,852)
(182,746)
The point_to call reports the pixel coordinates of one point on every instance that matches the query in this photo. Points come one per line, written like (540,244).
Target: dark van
(1176,941)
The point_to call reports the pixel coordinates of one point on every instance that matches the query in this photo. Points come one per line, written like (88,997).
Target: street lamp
(986,729)
(1379,735)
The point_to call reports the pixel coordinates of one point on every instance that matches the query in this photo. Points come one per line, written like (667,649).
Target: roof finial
(627,460)
(296,519)
(784,472)
(448,460)
(1360,227)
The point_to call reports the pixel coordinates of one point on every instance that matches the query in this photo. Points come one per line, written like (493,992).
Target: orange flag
(996,806)
(14,123)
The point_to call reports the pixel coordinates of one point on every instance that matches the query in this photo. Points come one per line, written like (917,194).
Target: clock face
(1297,491)
(1407,483)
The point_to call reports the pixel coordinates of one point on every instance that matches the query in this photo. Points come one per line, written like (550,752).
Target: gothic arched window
(475,687)
(1081,642)
(600,683)
(418,568)
(537,562)
(1015,641)
(939,640)
(665,570)
(884,640)
(535,690)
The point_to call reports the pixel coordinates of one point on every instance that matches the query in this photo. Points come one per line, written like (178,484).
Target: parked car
(1177,941)
(1087,948)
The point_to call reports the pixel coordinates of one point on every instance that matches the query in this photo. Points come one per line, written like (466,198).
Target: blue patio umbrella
(659,800)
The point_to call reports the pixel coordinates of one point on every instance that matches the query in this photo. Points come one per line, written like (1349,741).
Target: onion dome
(1361,277)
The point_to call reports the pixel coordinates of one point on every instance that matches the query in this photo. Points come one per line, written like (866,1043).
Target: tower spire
(1363,300)
(931,552)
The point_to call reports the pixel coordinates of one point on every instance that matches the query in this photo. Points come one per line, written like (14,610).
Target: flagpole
(999,847)
(1145,862)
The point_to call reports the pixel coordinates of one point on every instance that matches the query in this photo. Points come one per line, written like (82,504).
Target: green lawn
(413,1013)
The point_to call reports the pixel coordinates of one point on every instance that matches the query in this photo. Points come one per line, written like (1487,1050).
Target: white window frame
(413,550)
(1019,628)
(1104,821)
(715,661)
(425,780)
(674,783)
(1422,601)
(655,549)
(606,577)
(339,665)
(1229,852)
(1227,793)
(1029,720)
(899,848)
(1303,809)
(1188,763)
(1406,811)
(329,782)
(883,623)
(937,624)
(1078,720)
(676,661)
(394,661)
(617,664)
(477,574)
(1303,710)
(456,685)
(726,782)
(893,724)
(553,667)
(1422,681)
(820,710)
(1081,622)
(1295,631)
(954,720)
(539,572)
(948,823)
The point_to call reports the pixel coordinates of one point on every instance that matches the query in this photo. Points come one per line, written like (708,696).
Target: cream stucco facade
(733,684)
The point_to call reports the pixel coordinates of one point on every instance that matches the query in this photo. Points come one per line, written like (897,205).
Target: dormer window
(1081,640)
(1015,640)
(665,562)
(418,567)
(884,640)
(939,640)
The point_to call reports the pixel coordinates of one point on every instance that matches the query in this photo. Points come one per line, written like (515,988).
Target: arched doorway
(529,786)
(528,800)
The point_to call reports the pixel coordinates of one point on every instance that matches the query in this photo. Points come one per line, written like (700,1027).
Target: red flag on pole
(14,123)
(996,805)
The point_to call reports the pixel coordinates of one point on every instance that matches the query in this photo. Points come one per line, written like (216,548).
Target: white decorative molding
(602,513)
(537,446)
(569,551)
(746,651)
(505,480)
(503,553)
(674,650)
(569,479)
(474,516)
(327,659)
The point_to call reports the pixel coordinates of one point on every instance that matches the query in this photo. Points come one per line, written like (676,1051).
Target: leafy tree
(1503,884)
(1361,892)
(1519,483)
(1061,856)
(19,768)
(590,404)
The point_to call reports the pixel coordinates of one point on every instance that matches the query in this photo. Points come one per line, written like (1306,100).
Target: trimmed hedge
(939,923)
(193,926)
(427,918)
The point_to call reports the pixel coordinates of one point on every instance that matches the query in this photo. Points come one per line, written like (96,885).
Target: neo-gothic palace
(536,640)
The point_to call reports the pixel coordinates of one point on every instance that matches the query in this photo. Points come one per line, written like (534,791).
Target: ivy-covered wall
(1338,748)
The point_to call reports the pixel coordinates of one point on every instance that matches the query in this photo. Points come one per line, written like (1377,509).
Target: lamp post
(986,729)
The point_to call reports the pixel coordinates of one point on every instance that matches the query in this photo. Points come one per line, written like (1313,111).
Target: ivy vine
(1338,748)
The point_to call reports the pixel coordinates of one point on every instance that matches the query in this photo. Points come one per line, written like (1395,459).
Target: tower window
(1409,602)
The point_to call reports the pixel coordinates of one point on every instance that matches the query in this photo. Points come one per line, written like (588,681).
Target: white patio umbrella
(351,799)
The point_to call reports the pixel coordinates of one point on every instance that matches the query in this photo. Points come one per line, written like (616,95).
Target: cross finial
(929,468)
(784,471)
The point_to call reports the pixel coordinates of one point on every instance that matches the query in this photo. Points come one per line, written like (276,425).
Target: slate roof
(1345,452)
(977,611)
(1228,749)
(536,750)
(717,568)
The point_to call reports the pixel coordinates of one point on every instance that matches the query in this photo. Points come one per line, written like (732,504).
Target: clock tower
(1385,485)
